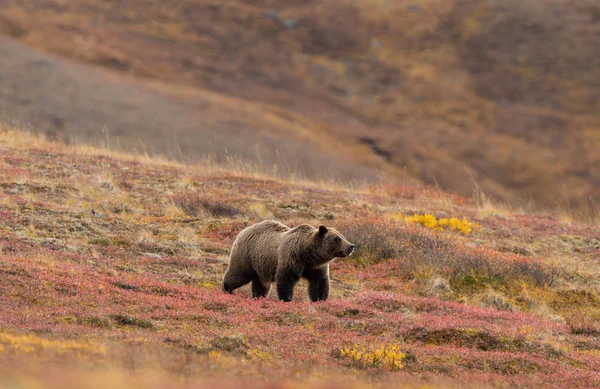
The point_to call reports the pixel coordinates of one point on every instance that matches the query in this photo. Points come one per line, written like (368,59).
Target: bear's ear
(322,230)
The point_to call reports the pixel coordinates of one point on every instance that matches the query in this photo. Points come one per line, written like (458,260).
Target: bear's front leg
(285,279)
(318,283)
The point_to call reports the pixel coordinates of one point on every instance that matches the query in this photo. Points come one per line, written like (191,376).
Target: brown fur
(269,252)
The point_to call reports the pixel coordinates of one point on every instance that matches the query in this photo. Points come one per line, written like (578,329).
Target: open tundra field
(443,91)
(110,271)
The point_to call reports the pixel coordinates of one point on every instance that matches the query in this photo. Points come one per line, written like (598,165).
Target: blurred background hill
(504,95)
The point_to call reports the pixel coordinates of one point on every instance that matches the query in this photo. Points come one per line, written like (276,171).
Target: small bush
(94,321)
(232,344)
(386,356)
(119,207)
(374,238)
(463,226)
(126,286)
(100,241)
(438,287)
(350,312)
(496,300)
(125,320)
(108,242)
(581,324)
(192,203)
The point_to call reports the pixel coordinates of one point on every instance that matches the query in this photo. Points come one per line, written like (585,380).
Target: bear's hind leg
(259,289)
(233,280)
(318,283)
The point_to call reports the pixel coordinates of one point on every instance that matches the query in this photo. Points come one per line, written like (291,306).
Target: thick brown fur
(269,252)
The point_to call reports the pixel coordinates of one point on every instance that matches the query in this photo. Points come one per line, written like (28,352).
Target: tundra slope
(111,265)
(449,92)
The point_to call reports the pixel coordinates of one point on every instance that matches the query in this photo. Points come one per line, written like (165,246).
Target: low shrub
(385,357)
(581,324)
(424,252)
(375,239)
(463,226)
(124,320)
(192,203)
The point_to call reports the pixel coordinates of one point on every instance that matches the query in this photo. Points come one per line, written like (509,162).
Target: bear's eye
(338,239)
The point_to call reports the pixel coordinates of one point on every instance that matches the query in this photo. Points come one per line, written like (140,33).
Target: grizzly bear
(269,252)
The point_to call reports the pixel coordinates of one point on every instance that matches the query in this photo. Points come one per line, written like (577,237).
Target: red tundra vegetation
(110,270)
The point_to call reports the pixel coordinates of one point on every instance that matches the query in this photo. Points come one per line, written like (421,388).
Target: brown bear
(269,252)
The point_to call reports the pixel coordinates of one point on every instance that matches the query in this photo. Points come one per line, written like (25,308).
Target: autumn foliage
(114,293)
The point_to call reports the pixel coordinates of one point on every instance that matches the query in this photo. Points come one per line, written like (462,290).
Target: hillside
(76,103)
(503,95)
(110,268)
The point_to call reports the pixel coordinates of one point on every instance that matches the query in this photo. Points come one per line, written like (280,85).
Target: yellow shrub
(259,355)
(427,220)
(216,355)
(208,284)
(24,344)
(221,359)
(388,357)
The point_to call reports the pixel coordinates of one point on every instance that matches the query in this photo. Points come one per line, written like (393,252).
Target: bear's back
(266,228)
(297,238)
(304,229)
(257,246)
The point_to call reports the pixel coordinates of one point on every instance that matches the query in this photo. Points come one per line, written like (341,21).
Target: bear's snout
(350,249)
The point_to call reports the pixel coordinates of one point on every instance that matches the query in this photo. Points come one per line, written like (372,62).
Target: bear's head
(333,244)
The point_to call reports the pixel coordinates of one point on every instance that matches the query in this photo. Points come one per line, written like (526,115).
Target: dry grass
(192,204)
